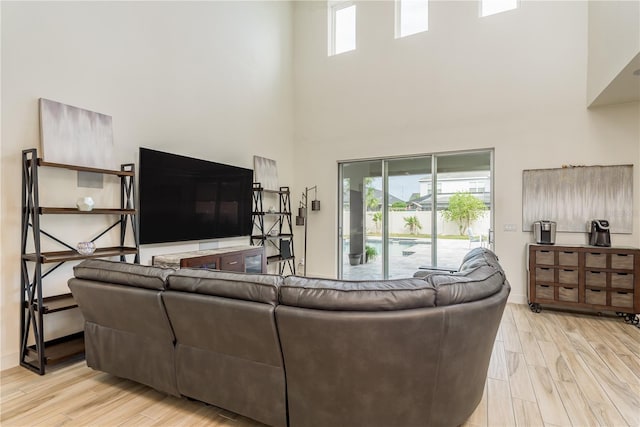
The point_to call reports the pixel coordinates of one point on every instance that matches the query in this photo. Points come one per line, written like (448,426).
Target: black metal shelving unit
(35,351)
(273,234)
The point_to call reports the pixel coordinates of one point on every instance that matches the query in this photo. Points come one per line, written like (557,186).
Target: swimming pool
(397,247)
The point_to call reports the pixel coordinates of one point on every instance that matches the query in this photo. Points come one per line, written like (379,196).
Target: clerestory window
(491,7)
(412,16)
(342,27)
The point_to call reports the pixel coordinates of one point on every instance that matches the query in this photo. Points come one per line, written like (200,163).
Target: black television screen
(182,198)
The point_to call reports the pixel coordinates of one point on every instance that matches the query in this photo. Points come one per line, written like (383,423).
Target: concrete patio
(450,254)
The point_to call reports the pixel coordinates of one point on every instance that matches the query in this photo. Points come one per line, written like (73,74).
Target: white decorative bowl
(86,248)
(84,204)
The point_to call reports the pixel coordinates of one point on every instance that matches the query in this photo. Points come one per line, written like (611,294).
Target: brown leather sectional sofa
(298,351)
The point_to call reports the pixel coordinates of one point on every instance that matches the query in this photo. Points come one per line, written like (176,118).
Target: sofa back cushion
(122,273)
(127,331)
(327,294)
(261,288)
(227,345)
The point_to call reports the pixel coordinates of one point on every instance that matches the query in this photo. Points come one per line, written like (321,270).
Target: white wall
(204,79)
(614,40)
(515,81)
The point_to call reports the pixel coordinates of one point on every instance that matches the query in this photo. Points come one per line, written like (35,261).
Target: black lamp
(302,214)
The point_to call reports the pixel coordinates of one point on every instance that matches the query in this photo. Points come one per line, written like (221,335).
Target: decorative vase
(85,203)
(355,259)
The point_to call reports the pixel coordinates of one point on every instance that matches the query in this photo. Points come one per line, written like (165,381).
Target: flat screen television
(182,198)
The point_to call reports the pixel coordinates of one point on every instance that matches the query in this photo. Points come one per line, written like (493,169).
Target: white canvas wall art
(572,196)
(75,136)
(266,172)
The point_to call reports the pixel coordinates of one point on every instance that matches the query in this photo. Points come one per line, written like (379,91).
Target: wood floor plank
(555,362)
(549,401)
(527,414)
(615,364)
(521,317)
(531,350)
(576,406)
(500,405)
(519,381)
(497,364)
(550,368)
(510,337)
(138,421)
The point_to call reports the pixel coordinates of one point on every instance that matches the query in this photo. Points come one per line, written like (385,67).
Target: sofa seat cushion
(328,294)
(458,288)
(249,287)
(123,273)
(480,276)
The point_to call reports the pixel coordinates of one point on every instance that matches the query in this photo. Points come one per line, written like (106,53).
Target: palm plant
(377,220)
(413,224)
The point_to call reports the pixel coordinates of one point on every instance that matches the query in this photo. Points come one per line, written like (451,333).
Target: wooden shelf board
(268,236)
(271,213)
(98,211)
(60,349)
(86,169)
(58,303)
(62,256)
(277,258)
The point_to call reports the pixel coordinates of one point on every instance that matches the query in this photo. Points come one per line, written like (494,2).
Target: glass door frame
(385,203)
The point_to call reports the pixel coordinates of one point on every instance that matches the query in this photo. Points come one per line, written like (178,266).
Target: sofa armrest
(428,271)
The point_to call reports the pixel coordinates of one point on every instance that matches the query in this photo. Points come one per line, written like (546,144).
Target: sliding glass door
(400,214)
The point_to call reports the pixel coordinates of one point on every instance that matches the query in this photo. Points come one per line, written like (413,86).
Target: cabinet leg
(535,307)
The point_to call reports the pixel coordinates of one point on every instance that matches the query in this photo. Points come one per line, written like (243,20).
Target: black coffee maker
(599,233)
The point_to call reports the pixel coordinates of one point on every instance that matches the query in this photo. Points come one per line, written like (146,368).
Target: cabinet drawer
(597,260)
(232,263)
(568,294)
(622,280)
(596,278)
(568,258)
(544,292)
(622,261)
(622,299)
(568,277)
(595,296)
(544,274)
(545,257)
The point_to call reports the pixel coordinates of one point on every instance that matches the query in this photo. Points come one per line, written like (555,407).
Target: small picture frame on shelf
(285,248)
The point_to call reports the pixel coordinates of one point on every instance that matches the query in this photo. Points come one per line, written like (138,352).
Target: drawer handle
(567,270)
(567,288)
(547,269)
(545,252)
(544,286)
(596,253)
(595,272)
(595,290)
(623,293)
(233,262)
(568,252)
(622,254)
(622,274)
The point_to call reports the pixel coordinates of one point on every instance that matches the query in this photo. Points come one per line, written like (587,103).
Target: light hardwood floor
(547,369)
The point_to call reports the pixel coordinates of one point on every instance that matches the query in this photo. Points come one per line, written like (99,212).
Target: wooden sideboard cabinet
(585,277)
(245,259)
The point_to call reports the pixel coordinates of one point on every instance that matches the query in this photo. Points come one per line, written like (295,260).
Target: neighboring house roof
(443,200)
(458,176)
(378,194)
